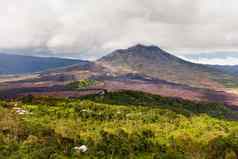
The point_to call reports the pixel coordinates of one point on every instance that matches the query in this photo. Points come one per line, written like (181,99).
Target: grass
(82,84)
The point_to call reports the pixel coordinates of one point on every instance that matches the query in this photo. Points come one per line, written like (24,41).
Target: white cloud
(215,61)
(91,28)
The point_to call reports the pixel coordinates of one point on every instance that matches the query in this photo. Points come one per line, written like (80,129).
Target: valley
(126,79)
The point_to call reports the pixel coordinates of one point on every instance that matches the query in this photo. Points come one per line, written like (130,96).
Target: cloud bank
(90,28)
(214,61)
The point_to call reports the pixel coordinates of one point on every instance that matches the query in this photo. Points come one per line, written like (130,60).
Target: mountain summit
(152,53)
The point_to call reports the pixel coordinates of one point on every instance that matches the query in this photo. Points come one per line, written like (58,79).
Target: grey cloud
(90,28)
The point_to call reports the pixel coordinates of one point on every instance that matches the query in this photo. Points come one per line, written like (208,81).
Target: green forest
(119,125)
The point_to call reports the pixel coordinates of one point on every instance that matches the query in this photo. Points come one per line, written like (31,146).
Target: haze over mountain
(213,58)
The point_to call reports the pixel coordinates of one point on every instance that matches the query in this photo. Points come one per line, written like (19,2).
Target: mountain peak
(148,53)
(144,47)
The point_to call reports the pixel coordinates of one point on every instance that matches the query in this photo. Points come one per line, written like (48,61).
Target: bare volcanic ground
(158,87)
(177,91)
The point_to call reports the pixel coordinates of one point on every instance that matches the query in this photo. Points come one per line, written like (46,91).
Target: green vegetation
(117,125)
(82,84)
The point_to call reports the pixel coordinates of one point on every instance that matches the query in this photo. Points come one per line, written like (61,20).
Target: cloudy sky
(92,28)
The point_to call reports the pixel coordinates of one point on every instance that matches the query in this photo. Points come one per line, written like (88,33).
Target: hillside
(139,68)
(18,64)
(155,62)
(118,125)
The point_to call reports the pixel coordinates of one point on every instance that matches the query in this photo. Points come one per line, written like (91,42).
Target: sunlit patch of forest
(116,125)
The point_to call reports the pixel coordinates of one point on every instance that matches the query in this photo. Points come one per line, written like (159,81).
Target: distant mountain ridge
(232,70)
(19,64)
